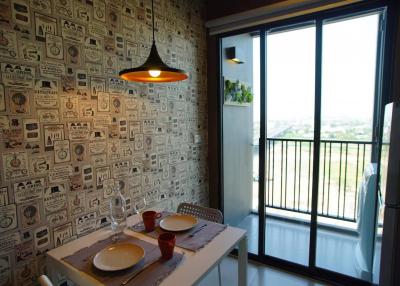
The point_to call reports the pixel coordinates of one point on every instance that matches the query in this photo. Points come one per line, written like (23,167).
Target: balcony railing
(289,165)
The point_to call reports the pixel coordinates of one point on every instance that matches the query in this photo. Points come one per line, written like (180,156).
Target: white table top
(193,268)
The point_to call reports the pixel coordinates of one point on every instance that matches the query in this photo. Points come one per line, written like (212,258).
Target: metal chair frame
(205,213)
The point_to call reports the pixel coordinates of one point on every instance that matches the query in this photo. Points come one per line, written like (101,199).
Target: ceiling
(221,8)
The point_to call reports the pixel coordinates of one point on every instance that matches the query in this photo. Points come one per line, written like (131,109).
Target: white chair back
(44,281)
(205,213)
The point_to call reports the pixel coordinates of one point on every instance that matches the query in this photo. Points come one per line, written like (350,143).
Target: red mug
(149,220)
(166,242)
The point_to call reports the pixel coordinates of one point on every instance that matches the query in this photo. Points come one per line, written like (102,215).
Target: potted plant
(237,93)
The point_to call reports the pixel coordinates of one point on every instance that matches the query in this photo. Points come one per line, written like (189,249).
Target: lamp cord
(152,17)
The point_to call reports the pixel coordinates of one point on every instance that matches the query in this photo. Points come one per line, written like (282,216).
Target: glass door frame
(342,12)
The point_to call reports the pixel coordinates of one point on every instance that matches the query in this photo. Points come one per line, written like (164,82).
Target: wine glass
(139,205)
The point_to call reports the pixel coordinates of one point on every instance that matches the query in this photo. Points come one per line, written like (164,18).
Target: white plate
(118,257)
(178,222)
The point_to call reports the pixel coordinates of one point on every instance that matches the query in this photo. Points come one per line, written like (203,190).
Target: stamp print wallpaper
(70,129)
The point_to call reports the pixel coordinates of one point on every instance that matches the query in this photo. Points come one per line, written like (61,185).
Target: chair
(44,281)
(205,213)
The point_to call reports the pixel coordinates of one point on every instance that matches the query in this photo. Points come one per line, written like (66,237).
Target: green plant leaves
(237,92)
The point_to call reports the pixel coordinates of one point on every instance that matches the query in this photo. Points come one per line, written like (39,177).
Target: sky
(348,71)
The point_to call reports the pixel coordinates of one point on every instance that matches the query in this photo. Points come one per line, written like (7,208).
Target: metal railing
(289,164)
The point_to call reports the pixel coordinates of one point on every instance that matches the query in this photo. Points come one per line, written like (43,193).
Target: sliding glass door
(290,89)
(347,204)
(301,151)
(241,132)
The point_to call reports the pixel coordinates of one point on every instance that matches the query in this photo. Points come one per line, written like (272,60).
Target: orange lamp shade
(153,70)
(144,76)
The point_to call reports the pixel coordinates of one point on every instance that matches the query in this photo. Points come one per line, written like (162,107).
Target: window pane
(241,131)
(345,212)
(290,132)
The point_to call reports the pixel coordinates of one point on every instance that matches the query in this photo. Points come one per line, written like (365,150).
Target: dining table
(194,266)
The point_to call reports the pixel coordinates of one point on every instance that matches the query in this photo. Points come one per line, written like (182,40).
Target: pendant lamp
(154,69)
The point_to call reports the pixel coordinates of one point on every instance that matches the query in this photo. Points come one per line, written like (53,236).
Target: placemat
(153,275)
(208,231)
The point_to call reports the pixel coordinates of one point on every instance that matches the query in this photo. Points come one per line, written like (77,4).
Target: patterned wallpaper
(70,129)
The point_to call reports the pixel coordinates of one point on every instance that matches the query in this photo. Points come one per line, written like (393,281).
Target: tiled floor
(289,241)
(257,275)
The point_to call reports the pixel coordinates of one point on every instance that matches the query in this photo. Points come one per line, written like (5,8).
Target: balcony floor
(257,275)
(290,241)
